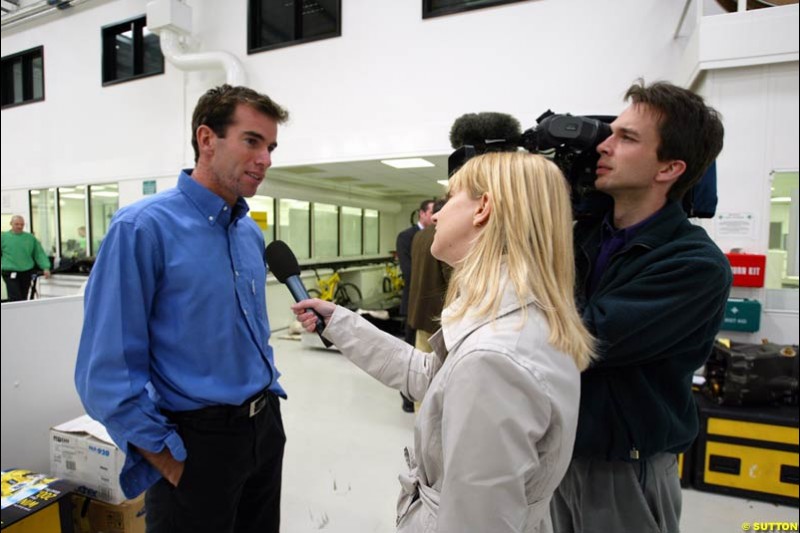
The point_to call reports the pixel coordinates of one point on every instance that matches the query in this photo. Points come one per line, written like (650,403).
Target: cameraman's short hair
(690,130)
(423,206)
(217,106)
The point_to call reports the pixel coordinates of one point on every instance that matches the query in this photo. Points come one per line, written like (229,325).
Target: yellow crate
(748,451)
(759,468)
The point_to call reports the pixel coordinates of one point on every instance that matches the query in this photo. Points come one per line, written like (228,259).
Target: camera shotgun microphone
(283,264)
(478,133)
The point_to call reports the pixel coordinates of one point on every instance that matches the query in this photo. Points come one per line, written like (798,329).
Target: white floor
(346,434)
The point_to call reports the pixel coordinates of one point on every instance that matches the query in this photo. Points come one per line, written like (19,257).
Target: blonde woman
(495,432)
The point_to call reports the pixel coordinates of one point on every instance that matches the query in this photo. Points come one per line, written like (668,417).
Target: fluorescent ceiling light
(105,194)
(412,162)
(74,196)
(443,182)
(781,199)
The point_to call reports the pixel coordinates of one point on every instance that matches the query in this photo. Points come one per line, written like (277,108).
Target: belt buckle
(257,405)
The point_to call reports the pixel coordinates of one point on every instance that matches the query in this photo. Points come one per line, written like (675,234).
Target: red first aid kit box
(748,269)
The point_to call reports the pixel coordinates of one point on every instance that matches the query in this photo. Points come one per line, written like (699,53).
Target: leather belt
(248,409)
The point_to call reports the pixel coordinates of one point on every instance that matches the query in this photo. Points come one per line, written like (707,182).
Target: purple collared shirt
(612,240)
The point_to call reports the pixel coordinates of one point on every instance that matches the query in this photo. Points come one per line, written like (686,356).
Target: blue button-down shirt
(175,318)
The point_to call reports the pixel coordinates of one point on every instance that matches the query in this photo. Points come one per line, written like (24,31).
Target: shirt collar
(608,231)
(211,206)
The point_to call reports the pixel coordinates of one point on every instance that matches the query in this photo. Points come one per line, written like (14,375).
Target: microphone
(486,131)
(477,133)
(283,264)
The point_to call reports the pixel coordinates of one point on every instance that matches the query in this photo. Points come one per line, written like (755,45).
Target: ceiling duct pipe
(171,20)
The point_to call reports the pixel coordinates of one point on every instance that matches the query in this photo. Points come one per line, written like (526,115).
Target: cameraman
(651,287)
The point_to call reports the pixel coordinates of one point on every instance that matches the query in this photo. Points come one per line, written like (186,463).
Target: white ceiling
(369,178)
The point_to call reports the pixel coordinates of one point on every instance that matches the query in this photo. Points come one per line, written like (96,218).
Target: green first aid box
(742,314)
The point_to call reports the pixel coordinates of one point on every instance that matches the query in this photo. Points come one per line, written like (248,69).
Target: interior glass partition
(42,221)
(103,203)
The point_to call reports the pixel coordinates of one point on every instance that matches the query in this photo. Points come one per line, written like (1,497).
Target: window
(437,8)
(23,78)
(130,52)
(72,221)
(294,226)
(371,231)
(262,210)
(782,259)
(326,230)
(103,203)
(351,231)
(43,218)
(274,24)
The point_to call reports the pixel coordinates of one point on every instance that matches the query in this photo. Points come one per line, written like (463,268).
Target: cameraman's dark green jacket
(655,313)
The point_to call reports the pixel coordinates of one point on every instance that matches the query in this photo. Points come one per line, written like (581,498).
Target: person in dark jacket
(652,289)
(428,285)
(403,245)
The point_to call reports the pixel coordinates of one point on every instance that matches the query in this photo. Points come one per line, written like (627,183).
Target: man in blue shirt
(174,358)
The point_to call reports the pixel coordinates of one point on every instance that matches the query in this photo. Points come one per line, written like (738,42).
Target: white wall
(759,105)
(760,110)
(39,342)
(391,85)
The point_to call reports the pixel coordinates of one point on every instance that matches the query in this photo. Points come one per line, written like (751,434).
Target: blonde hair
(530,231)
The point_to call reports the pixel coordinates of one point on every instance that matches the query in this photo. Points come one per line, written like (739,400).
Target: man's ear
(670,171)
(205,139)
(484,210)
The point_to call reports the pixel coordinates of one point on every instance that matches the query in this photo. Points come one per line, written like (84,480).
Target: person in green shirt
(22,253)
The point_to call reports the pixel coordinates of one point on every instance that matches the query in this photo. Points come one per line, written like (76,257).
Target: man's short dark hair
(690,130)
(423,206)
(217,106)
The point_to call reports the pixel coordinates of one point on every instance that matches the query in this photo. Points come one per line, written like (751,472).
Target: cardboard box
(82,451)
(93,516)
(33,503)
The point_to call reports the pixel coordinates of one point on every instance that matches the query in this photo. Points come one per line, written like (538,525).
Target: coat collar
(450,335)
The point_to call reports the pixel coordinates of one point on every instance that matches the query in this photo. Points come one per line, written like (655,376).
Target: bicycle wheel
(348,295)
(314,293)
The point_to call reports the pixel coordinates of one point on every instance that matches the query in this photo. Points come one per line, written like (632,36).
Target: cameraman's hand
(309,320)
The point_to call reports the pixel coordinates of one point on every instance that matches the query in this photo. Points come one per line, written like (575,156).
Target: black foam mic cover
(486,131)
(281,260)
(283,265)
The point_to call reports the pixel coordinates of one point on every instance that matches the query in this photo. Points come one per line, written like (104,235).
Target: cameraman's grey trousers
(603,497)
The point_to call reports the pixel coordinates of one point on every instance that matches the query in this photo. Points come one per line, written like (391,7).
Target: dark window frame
(26,57)
(429,11)
(109,52)
(254,17)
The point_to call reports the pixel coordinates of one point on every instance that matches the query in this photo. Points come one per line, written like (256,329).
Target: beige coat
(495,431)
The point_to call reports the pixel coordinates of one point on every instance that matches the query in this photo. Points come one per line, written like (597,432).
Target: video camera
(571,142)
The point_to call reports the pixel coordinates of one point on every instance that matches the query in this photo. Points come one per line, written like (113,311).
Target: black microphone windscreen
(281,261)
(476,128)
